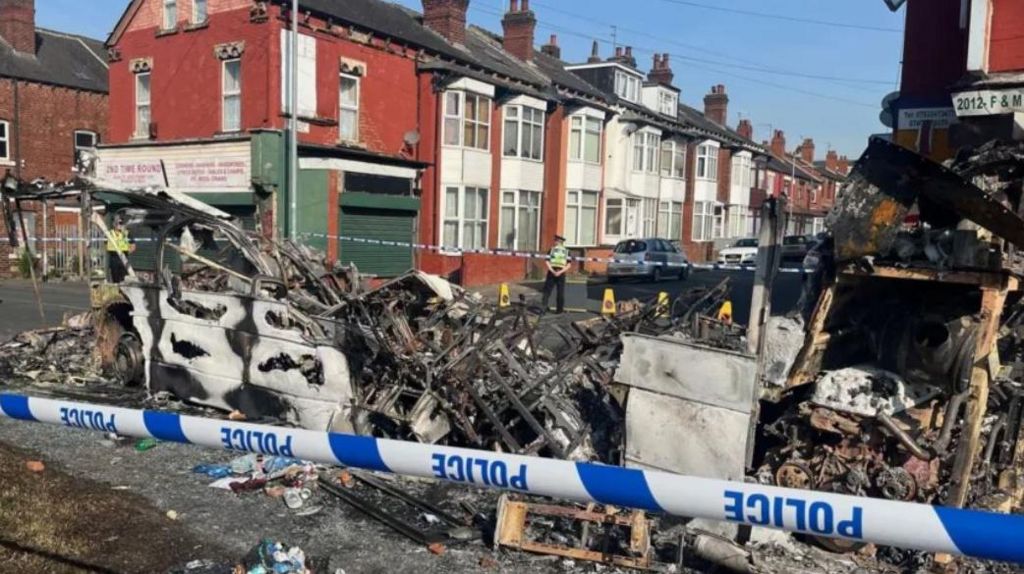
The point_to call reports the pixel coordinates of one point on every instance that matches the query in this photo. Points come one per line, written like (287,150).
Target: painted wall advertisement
(187,170)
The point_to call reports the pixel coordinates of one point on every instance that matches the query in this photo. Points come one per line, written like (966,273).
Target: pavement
(584,296)
(19,309)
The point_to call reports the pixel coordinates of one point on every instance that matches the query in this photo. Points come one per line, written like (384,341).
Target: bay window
(614,216)
(703,220)
(585,139)
(524,132)
(520,220)
(649,217)
(581,218)
(673,159)
(738,220)
(645,151)
(742,172)
(670,219)
(667,103)
(707,162)
(467,120)
(465,217)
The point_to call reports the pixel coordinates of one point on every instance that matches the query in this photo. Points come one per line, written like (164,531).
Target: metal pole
(773,225)
(293,143)
(31,263)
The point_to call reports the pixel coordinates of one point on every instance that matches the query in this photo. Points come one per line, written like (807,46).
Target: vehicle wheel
(129,363)
(656,274)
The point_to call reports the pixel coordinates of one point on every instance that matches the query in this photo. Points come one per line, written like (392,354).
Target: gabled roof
(785,166)
(60,60)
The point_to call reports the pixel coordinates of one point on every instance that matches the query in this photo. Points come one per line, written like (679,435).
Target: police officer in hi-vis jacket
(558,266)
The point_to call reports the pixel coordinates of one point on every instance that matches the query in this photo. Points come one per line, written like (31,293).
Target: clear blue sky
(836,113)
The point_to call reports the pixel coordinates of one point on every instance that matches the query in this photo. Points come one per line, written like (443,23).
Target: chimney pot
(618,52)
(18,24)
(526,5)
(661,73)
(807,150)
(629,51)
(551,48)
(513,6)
(595,54)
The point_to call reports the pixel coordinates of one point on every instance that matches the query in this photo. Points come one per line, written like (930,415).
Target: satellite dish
(411,137)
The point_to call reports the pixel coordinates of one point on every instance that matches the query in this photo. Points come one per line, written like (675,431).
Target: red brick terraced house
(53,102)
(415,127)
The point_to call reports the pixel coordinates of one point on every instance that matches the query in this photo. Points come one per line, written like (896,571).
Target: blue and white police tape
(535,255)
(917,526)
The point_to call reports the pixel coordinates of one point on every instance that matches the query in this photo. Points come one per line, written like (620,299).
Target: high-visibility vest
(118,241)
(559,256)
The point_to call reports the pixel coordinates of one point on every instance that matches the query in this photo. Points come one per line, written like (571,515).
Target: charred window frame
(85,140)
(5,140)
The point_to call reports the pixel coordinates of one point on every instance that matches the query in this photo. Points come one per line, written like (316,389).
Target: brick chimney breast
(18,24)
(807,150)
(520,26)
(661,73)
(779,144)
(716,105)
(447,18)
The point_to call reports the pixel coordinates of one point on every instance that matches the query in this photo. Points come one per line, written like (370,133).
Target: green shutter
(379,224)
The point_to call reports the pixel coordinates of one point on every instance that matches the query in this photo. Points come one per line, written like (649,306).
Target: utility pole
(293,131)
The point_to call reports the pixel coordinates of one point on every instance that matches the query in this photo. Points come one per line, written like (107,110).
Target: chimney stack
(552,49)
(519,25)
(746,129)
(832,161)
(844,165)
(18,24)
(661,73)
(807,151)
(779,144)
(595,54)
(446,17)
(716,105)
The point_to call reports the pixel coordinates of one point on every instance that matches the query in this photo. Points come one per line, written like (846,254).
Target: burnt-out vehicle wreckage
(908,384)
(902,380)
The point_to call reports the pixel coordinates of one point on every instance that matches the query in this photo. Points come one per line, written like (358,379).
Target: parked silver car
(651,258)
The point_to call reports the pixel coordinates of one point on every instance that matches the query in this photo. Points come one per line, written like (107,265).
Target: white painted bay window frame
(524,133)
(670,219)
(580,203)
(457,121)
(673,159)
(585,139)
(703,220)
(646,148)
(707,162)
(515,204)
(465,217)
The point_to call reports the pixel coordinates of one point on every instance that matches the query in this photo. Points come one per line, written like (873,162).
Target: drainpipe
(17,131)
(293,143)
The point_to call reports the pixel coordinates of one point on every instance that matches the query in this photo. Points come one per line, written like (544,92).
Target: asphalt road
(19,311)
(589,294)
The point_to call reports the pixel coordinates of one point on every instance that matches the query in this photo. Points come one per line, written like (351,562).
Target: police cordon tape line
(973,533)
(535,255)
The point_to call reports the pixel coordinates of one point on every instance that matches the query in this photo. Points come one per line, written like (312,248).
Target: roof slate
(61,59)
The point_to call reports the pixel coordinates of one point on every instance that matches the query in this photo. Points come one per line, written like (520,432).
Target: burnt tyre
(129,363)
